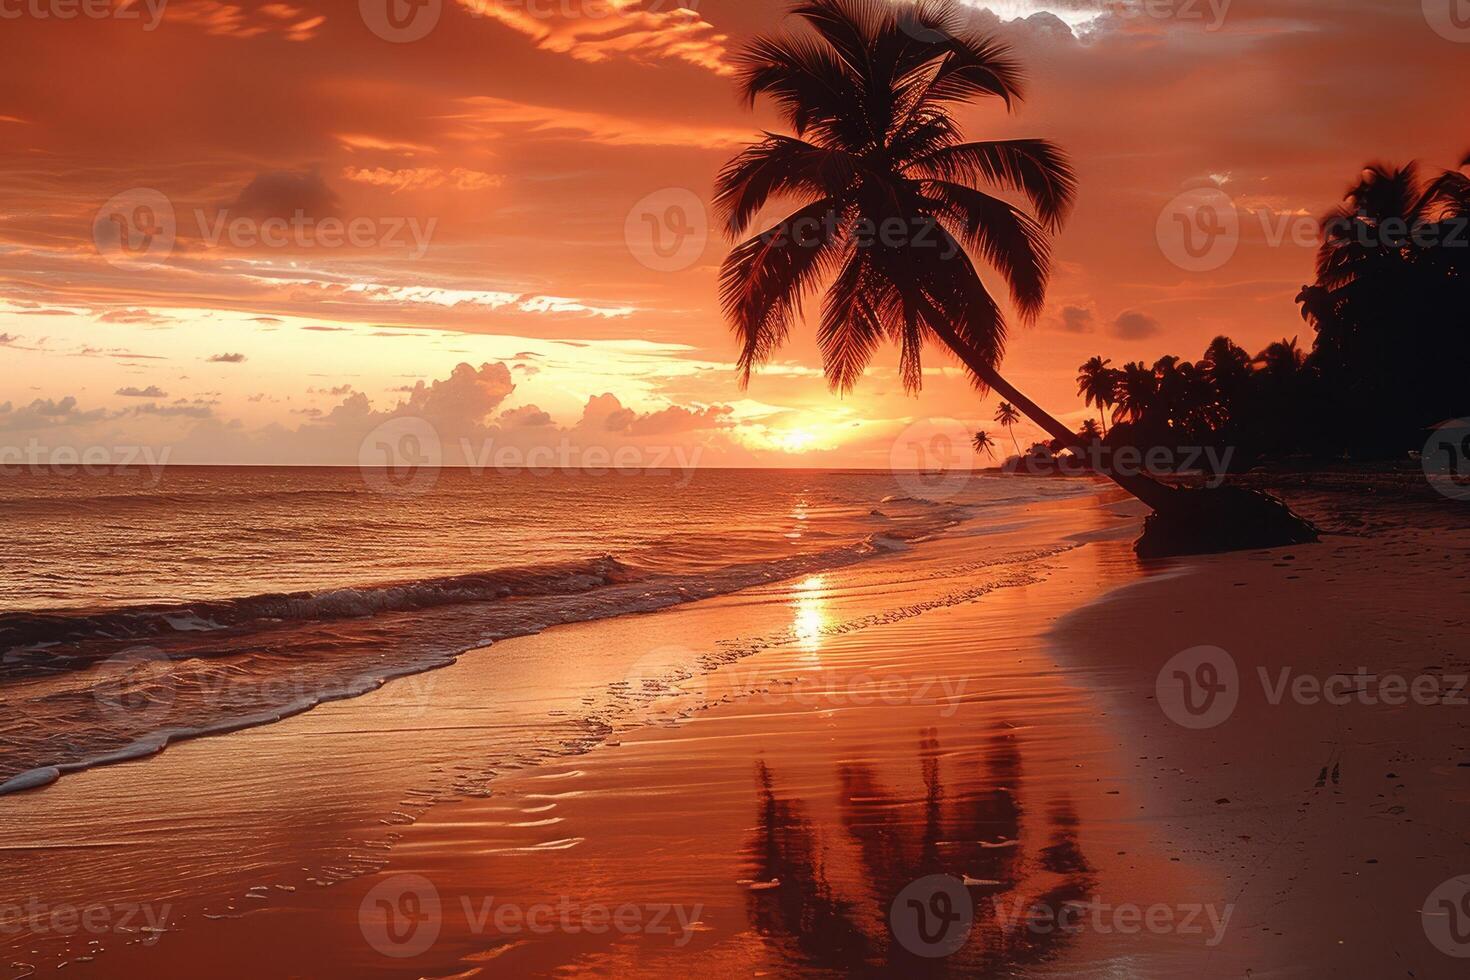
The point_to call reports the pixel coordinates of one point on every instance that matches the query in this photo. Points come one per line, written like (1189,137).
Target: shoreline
(503,697)
(339,653)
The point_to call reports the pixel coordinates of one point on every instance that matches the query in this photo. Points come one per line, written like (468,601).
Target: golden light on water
(809,612)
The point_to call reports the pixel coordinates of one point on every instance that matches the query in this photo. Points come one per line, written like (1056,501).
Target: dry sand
(984,708)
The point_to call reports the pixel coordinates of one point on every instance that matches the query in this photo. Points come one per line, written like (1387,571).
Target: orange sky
(496,176)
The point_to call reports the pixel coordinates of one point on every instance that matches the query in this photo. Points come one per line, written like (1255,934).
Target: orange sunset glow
(497,185)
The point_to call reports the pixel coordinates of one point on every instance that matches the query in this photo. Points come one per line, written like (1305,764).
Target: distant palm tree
(1138,392)
(1282,359)
(982,443)
(1227,366)
(1096,383)
(1090,431)
(1007,416)
(892,209)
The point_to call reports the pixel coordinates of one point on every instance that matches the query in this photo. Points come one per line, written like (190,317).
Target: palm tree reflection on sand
(970,830)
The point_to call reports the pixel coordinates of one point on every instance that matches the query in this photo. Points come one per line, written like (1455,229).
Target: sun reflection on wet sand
(809,612)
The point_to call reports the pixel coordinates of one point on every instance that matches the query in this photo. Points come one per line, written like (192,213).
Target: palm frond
(809,84)
(1034,167)
(776,165)
(1008,239)
(764,279)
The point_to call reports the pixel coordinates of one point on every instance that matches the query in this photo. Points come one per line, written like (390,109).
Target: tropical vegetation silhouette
(1390,309)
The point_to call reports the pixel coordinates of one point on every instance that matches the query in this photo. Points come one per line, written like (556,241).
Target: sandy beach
(775,768)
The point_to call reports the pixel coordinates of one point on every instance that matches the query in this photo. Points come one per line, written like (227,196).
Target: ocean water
(135,612)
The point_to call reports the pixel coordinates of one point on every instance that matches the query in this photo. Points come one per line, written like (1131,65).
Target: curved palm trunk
(1150,491)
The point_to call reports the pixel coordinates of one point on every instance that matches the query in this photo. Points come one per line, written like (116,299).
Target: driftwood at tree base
(1205,521)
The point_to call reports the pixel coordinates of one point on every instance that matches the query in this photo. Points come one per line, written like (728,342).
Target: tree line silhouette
(1390,359)
(1390,309)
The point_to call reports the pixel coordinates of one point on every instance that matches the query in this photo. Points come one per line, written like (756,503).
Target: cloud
(227,359)
(46,413)
(1133,325)
(606,413)
(600,30)
(525,417)
(677,418)
(284,194)
(467,395)
(522,118)
(152,391)
(424,178)
(131,316)
(175,410)
(8,339)
(242,21)
(1076,319)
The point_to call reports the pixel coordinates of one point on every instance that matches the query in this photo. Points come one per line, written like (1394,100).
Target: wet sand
(969,734)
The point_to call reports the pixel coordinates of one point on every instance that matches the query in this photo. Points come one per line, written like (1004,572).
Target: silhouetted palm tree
(892,210)
(1282,359)
(1388,305)
(1226,366)
(1090,431)
(1007,416)
(982,443)
(1096,383)
(1138,392)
